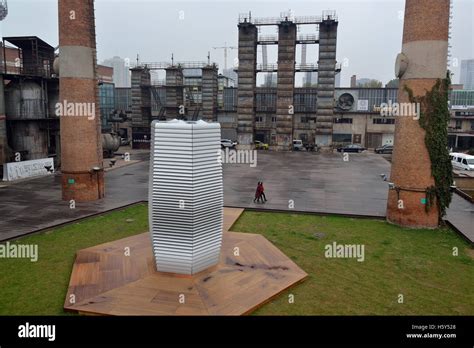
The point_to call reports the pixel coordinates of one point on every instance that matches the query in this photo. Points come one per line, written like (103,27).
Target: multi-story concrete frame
(176,99)
(283,130)
(247,78)
(326,79)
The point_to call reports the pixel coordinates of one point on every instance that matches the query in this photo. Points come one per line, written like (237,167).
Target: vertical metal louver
(185,195)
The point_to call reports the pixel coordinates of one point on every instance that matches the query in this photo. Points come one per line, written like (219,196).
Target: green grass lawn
(419,264)
(39,288)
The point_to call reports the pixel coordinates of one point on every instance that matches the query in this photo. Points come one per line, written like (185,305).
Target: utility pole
(225,48)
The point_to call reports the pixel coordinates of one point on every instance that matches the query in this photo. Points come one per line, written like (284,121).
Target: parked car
(297,145)
(261,146)
(228,143)
(384,149)
(462,161)
(351,148)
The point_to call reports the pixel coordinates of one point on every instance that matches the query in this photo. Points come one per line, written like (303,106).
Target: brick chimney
(78,107)
(423,60)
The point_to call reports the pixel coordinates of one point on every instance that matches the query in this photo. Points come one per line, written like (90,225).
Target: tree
(393,83)
(370,84)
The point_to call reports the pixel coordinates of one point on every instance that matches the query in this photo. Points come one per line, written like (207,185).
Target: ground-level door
(263,136)
(374,140)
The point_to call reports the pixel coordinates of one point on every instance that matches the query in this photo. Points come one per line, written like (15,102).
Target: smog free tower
(185,195)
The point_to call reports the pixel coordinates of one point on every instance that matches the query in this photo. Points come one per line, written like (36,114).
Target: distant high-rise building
(354,81)
(467,74)
(310,79)
(231,74)
(270,80)
(121,71)
(338,80)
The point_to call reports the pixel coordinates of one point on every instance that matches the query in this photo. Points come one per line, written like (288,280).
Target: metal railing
(166,65)
(298,67)
(327,15)
(307,38)
(267,67)
(306,67)
(273,39)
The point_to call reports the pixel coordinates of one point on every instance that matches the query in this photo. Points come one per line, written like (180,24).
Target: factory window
(384,121)
(343,120)
(342,138)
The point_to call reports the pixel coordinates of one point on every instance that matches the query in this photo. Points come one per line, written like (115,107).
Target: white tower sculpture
(185,195)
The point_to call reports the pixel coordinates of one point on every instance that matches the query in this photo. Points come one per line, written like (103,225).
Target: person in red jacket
(258,193)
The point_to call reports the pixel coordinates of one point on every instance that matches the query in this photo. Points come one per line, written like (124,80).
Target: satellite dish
(3,9)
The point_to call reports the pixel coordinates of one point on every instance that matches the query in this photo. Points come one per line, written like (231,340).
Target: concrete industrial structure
(283,131)
(422,62)
(29,93)
(183,96)
(81,141)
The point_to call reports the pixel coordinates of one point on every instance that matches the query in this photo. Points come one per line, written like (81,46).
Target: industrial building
(461,124)
(29,92)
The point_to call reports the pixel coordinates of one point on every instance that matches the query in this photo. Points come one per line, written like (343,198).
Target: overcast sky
(369,35)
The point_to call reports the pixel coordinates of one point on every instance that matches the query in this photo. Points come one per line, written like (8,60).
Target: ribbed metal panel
(185,195)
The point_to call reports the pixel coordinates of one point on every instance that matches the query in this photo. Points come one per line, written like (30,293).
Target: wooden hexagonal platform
(120,278)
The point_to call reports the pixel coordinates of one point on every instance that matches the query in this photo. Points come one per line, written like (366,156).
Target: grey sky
(369,37)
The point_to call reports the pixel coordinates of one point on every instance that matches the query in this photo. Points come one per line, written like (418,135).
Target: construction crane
(225,48)
(3,9)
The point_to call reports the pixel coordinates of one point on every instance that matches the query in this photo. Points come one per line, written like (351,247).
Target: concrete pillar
(247,76)
(326,81)
(285,85)
(81,140)
(209,93)
(141,108)
(425,49)
(174,92)
(3,124)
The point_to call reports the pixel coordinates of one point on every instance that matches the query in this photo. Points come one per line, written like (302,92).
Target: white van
(462,161)
(297,145)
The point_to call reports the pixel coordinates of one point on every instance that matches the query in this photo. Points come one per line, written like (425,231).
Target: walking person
(262,193)
(258,193)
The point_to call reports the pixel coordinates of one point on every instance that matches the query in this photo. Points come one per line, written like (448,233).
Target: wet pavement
(298,181)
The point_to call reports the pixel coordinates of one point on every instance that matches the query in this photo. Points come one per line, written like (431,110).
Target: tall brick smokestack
(81,140)
(423,60)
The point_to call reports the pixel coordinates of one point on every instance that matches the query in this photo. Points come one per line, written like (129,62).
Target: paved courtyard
(297,181)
